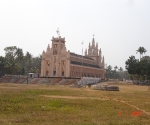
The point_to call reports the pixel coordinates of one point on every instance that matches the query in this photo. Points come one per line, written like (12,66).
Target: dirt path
(72,97)
(137,108)
(75,97)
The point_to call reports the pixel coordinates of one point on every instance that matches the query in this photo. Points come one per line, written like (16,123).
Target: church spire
(43,54)
(97,45)
(85,52)
(100,57)
(93,41)
(100,54)
(48,48)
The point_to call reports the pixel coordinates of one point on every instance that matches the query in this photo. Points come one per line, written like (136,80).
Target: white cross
(58,32)
(82,43)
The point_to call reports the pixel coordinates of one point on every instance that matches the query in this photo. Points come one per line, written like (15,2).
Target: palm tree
(19,55)
(120,69)
(141,50)
(28,59)
(115,67)
(109,67)
(28,56)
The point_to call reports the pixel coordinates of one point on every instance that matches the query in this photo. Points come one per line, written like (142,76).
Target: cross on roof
(82,43)
(93,35)
(58,32)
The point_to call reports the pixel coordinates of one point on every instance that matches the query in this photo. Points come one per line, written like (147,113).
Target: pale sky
(119,26)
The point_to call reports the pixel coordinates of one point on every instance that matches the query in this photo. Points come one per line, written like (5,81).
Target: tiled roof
(73,54)
(84,64)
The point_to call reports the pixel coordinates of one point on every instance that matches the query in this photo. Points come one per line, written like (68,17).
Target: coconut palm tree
(141,50)
(120,69)
(115,67)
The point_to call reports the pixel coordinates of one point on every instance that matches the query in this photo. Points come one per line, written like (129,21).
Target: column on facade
(60,68)
(49,69)
(67,68)
(42,68)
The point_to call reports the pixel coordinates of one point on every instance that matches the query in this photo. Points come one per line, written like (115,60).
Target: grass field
(62,105)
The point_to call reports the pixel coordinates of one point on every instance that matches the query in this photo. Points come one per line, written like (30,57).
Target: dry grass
(22,104)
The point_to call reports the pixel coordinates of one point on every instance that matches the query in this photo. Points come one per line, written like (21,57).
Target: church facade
(58,62)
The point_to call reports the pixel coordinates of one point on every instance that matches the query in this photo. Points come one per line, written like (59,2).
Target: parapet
(57,39)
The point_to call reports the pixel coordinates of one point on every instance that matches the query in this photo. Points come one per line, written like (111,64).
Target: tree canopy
(138,70)
(141,50)
(16,62)
(114,74)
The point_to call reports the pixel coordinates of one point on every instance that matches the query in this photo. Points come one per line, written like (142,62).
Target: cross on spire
(58,32)
(82,43)
(93,35)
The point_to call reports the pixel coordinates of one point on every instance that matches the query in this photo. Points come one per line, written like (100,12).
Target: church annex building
(58,62)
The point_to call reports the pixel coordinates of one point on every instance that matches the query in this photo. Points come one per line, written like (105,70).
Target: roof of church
(84,64)
(73,54)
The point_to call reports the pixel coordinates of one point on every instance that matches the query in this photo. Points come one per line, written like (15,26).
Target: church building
(58,62)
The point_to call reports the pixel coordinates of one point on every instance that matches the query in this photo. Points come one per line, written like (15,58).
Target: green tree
(19,55)
(115,68)
(17,63)
(131,65)
(143,68)
(113,74)
(108,71)
(27,63)
(141,50)
(14,59)
(36,64)
(138,70)
(2,66)
(120,69)
(10,55)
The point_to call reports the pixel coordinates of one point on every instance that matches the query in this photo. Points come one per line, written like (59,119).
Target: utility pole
(27,76)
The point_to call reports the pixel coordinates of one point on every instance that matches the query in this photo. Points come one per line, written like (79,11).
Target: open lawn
(22,104)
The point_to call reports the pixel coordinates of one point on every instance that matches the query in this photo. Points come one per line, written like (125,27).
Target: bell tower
(93,50)
(95,53)
(58,44)
(55,61)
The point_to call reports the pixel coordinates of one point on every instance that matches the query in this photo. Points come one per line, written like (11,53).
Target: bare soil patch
(73,97)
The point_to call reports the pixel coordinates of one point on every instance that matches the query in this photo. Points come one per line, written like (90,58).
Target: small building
(34,75)
(58,62)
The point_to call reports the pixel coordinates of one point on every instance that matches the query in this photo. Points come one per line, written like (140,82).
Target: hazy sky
(119,26)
